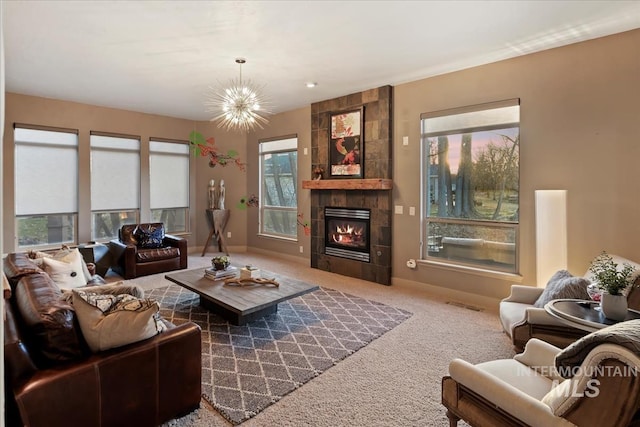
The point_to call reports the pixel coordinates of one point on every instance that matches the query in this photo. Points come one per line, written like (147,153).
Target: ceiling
(162,57)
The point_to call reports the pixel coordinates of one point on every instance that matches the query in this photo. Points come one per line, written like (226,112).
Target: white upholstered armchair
(521,320)
(603,388)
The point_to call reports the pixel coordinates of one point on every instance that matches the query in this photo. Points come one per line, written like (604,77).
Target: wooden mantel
(349,184)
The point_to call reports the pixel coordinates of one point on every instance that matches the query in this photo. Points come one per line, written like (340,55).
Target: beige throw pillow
(66,273)
(109,321)
(64,254)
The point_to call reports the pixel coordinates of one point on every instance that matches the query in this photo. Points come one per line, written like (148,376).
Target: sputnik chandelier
(240,106)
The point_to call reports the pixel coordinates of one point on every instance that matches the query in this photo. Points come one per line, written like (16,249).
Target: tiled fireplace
(365,250)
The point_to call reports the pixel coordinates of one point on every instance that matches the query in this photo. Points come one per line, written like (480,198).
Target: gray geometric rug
(247,368)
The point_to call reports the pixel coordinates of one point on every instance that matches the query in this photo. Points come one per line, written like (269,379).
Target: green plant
(607,275)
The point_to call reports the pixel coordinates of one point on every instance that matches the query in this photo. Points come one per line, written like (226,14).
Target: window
(169,181)
(278,191)
(115,184)
(471,181)
(46,186)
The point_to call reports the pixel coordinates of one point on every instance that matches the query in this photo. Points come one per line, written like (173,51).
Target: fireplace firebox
(347,233)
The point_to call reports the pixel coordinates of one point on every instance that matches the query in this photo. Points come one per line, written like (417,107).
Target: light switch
(405,140)
(399,209)
(305,151)
(412,210)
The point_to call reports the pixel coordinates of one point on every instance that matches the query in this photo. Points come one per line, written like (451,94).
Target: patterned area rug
(247,368)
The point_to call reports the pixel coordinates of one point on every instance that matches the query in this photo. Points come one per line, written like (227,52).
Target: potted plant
(612,280)
(220,262)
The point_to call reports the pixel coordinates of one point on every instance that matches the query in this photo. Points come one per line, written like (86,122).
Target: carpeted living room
(400,204)
(392,380)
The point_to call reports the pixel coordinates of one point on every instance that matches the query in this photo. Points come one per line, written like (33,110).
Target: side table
(98,254)
(217,219)
(583,314)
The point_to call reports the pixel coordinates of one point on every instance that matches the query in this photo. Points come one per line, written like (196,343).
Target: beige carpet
(394,381)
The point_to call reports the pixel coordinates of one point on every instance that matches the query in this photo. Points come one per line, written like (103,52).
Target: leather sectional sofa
(53,379)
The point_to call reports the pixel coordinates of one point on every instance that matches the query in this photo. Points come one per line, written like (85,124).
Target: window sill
(513,277)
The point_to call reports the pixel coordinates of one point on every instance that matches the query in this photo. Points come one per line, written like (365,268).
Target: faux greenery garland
(609,278)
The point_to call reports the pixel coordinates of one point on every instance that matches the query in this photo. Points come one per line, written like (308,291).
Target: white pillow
(65,254)
(69,255)
(67,274)
(109,321)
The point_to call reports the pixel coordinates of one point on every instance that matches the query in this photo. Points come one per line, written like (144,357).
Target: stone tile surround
(377,155)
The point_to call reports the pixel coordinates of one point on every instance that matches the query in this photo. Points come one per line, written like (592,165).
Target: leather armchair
(529,391)
(132,259)
(521,320)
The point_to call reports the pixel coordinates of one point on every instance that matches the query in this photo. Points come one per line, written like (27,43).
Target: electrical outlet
(405,140)
(301,249)
(228,234)
(412,210)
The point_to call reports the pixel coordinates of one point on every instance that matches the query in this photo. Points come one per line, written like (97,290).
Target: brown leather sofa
(53,379)
(143,249)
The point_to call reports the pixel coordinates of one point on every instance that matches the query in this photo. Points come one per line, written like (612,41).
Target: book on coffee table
(227,273)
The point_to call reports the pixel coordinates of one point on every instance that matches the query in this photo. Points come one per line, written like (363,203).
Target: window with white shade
(46,186)
(470,170)
(278,190)
(115,184)
(169,184)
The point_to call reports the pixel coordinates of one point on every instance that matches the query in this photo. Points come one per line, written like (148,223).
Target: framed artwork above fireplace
(346,148)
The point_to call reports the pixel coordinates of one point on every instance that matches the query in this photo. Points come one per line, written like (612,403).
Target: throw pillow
(66,274)
(563,285)
(109,321)
(63,254)
(67,254)
(149,238)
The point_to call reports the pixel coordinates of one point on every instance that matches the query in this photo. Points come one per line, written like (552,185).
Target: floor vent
(468,307)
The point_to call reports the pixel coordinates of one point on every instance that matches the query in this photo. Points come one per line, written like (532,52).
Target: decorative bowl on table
(220,262)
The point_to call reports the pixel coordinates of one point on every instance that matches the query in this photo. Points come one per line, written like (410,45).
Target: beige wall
(295,122)
(580,123)
(235,181)
(86,118)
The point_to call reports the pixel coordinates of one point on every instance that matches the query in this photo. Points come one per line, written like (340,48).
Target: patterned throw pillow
(109,321)
(563,285)
(149,238)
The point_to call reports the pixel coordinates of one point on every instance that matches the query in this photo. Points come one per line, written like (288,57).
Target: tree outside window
(471,176)
(278,193)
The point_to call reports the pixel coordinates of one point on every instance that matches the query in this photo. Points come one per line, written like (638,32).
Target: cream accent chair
(522,321)
(528,391)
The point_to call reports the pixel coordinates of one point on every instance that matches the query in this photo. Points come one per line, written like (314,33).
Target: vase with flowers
(613,280)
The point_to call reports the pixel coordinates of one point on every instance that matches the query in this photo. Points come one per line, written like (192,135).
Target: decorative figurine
(317,173)
(212,194)
(220,194)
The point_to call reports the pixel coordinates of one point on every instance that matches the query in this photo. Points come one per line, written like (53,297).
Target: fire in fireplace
(347,233)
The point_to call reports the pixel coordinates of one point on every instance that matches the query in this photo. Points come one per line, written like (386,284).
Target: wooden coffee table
(240,304)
